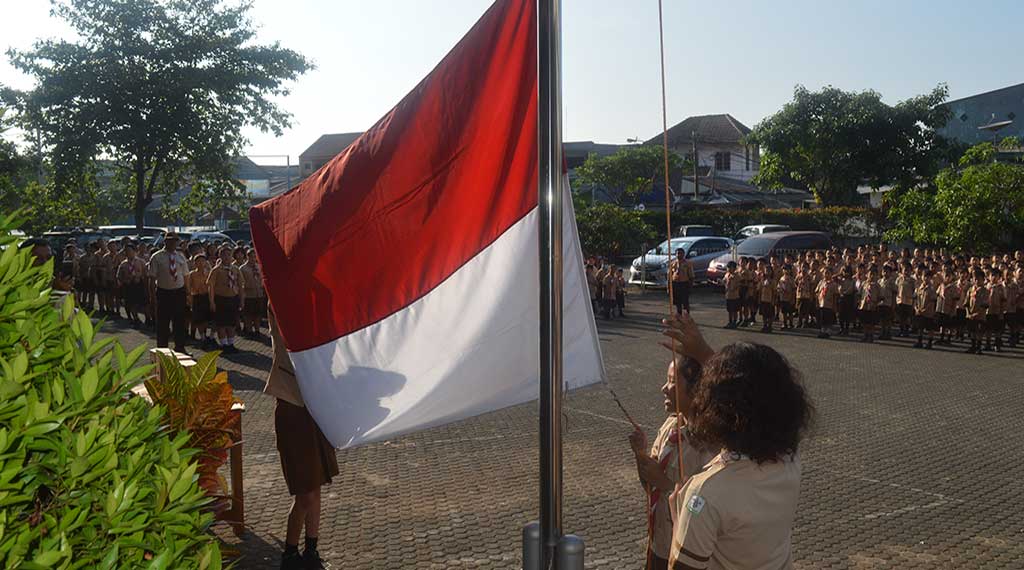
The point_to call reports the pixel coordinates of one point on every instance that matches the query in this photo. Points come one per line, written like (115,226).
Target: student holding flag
(750,405)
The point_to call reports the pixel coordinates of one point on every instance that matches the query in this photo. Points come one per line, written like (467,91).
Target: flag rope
(668,234)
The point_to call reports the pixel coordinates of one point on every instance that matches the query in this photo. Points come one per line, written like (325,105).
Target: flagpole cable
(668,231)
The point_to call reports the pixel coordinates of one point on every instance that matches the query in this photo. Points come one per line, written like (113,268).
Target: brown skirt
(307,458)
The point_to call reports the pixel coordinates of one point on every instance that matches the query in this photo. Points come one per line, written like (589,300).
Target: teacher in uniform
(167,270)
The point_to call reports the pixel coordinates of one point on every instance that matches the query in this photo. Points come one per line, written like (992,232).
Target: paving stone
(915,461)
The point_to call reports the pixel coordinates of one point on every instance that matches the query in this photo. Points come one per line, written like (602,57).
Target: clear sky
(737,56)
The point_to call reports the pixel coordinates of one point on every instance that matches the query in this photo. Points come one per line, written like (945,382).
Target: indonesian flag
(404,273)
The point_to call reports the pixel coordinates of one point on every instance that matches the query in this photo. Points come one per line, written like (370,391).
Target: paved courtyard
(917,461)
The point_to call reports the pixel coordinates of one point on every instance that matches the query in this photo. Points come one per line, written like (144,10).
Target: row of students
(937,299)
(607,286)
(223,286)
(723,473)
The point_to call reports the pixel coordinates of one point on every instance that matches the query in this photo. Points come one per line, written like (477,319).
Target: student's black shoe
(292,561)
(311,560)
(824,335)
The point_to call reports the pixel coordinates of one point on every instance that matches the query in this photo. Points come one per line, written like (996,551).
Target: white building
(720,145)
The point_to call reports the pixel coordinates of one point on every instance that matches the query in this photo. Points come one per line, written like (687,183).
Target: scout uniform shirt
(996,300)
(226,280)
(664,451)
(828,294)
(1012,291)
(889,292)
(948,294)
(679,274)
(925,302)
(977,302)
(787,290)
(611,285)
(732,286)
(906,285)
(737,514)
(130,271)
(253,280)
(86,267)
(804,286)
(168,270)
(870,295)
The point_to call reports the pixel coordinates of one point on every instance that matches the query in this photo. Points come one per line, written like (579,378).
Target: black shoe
(292,561)
(824,335)
(311,560)
(918,344)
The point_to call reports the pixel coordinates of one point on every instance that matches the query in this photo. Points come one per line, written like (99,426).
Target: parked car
(698,250)
(768,245)
(243,234)
(758,229)
(695,231)
(133,232)
(215,237)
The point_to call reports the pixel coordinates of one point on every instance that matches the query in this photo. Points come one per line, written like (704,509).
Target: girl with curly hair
(750,405)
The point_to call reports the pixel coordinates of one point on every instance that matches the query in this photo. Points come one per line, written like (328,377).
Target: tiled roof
(709,129)
(330,145)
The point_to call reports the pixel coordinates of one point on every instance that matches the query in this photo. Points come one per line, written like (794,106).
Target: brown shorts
(307,458)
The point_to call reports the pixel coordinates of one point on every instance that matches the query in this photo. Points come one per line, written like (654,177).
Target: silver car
(699,252)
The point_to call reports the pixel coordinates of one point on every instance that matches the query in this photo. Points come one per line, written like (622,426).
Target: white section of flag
(468,347)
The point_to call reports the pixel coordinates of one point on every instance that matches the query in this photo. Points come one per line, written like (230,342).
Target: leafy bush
(611,231)
(89,477)
(198,401)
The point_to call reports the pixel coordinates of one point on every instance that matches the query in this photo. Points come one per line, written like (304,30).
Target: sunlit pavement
(917,461)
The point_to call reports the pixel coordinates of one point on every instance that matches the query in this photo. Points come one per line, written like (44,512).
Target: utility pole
(696,171)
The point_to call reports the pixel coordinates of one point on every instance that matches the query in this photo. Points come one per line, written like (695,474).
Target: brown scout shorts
(307,458)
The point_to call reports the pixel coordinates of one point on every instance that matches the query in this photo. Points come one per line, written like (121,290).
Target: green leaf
(90,379)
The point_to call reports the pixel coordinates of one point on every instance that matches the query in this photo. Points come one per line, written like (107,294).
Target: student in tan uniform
(620,292)
(609,287)
(906,285)
(680,276)
(255,299)
(751,406)
(87,277)
(787,291)
(977,309)
(766,291)
(870,295)
(131,277)
(227,295)
(994,324)
(828,300)
(658,470)
(945,305)
(806,305)
(733,295)
(886,302)
(925,302)
(308,460)
(199,301)
(1014,305)
(847,300)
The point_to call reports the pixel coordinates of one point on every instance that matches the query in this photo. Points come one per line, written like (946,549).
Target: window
(722,161)
(308,167)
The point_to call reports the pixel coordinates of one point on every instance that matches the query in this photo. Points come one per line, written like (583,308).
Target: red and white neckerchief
(172,265)
(232,279)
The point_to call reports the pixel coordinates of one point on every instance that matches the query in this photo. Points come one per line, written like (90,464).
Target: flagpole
(557,551)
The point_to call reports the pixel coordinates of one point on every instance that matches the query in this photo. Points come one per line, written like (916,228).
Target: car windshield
(755,246)
(676,244)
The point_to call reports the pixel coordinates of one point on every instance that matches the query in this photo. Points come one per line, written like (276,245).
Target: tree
(976,205)
(833,141)
(162,87)
(610,230)
(627,174)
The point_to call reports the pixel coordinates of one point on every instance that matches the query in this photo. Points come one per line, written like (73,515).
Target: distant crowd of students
(938,296)
(207,290)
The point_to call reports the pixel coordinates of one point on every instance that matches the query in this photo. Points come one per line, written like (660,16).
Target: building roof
(330,145)
(1017,86)
(246,169)
(722,128)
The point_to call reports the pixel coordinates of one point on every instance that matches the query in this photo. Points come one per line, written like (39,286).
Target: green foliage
(162,87)
(843,222)
(89,478)
(198,401)
(628,173)
(832,141)
(977,205)
(611,231)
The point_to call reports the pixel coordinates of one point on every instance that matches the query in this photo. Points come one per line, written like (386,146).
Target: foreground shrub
(89,477)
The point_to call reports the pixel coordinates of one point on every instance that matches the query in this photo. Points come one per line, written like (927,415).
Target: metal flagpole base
(569,554)
(532,546)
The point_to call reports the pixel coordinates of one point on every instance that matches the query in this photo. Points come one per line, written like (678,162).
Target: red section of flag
(428,187)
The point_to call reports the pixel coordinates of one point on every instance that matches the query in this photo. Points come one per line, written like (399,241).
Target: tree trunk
(140,196)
